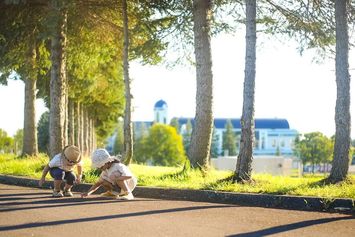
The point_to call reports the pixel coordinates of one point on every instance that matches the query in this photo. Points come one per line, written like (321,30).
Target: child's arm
(80,173)
(123,178)
(44,174)
(92,189)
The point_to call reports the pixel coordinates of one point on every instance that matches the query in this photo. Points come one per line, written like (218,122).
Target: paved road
(32,212)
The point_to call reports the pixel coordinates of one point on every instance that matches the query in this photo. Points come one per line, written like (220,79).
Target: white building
(161,112)
(273,136)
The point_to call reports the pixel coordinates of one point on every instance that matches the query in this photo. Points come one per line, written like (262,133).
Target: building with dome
(161,112)
(273,136)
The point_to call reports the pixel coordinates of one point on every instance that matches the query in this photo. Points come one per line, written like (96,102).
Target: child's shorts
(59,174)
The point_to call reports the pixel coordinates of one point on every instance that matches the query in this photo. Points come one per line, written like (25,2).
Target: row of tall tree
(71,53)
(315,24)
(84,44)
(321,24)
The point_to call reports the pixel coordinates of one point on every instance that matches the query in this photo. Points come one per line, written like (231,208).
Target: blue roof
(220,123)
(160,104)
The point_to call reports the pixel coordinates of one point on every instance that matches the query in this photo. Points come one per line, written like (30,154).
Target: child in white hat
(61,168)
(113,173)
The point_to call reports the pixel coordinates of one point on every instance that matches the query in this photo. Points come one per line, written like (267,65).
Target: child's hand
(78,179)
(83,195)
(40,182)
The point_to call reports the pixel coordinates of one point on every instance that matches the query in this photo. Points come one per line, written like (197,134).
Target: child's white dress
(116,170)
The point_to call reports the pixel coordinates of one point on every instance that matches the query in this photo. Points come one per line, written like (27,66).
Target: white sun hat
(100,157)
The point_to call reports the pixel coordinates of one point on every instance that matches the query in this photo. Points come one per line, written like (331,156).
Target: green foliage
(23,166)
(164,146)
(6,142)
(22,30)
(314,148)
(178,177)
(43,133)
(229,139)
(175,123)
(94,45)
(312,24)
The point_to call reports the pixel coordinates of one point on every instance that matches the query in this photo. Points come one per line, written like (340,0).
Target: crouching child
(113,172)
(61,169)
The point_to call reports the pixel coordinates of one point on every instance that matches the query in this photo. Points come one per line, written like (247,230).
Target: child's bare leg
(67,187)
(57,184)
(123,185)
(107,185)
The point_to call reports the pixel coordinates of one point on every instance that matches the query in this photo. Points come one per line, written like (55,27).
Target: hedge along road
(28,211)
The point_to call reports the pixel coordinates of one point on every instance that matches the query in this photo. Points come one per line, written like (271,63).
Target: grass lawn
(173,177)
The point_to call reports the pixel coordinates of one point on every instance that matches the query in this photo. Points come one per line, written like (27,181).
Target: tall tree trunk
(71,120)
(128,129)
(93,138)
(199,151)
(245,157)
(78,125)
(90,136)
(30,142)
(340,165)
(86,133)
(81,128)
(66,113)
(58,82)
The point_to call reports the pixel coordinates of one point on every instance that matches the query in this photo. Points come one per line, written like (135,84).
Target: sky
(288,86)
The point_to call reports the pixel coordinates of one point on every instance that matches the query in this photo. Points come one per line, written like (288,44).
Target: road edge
(244,199)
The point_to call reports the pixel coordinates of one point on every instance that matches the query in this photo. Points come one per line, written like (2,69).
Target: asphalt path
(33,212)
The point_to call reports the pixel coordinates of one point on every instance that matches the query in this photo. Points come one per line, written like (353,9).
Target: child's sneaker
(68,193)
(112,194)
(57,194)
(128,196)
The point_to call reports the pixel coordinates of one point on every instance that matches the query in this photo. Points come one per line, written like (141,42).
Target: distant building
(273,136)
(161,112)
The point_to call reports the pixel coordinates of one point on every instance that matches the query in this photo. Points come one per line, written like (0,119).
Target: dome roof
(160,104)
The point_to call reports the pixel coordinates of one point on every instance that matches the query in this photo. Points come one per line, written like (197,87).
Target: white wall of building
(275,165)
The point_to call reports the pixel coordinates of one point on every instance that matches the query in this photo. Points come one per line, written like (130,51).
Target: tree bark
(71,120)
(30,142)
(245,157)
(78,126)
(90,136)
(128,128)
(85,151)
(58,82)
(199,151)
(340,165)
(81,128)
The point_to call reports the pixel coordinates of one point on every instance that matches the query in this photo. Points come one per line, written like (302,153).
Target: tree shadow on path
(289,227)
(101,218)
(58,202)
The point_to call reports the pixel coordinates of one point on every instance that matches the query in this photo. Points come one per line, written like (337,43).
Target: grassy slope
(215,180)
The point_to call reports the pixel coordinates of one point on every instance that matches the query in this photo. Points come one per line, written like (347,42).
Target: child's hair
(117,159)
